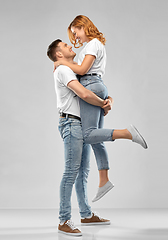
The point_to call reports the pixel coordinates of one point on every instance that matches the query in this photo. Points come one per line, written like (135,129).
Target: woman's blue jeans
(92,118)
(76,168)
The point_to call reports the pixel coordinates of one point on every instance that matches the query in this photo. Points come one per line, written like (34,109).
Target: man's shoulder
(64,74)
(63,69)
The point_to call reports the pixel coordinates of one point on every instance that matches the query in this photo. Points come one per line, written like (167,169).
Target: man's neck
(70,60)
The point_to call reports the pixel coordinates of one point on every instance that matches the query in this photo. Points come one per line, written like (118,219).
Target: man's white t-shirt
(67,100)
(97,49)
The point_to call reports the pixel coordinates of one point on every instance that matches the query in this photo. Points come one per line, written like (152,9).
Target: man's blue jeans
(92,118)
(76,168)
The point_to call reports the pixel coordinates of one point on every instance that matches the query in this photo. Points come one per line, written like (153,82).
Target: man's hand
(107,105)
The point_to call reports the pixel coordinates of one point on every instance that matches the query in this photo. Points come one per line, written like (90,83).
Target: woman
(90,69)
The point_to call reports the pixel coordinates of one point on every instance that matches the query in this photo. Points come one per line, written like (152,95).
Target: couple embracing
(83,101)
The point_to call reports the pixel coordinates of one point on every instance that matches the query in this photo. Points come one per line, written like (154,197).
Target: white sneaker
(103,190)
(136,136)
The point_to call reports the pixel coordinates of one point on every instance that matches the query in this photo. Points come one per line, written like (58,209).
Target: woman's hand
(56,64)
(107,105)
(60,62)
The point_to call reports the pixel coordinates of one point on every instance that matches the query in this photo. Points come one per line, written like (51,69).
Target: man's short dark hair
(51,51)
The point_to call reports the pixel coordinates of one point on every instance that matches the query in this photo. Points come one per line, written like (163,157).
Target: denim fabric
(92,118)
(76,168)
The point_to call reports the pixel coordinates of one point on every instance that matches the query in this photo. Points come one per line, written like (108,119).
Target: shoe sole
(145,144)
(108,189)
(70,234)
(96,223)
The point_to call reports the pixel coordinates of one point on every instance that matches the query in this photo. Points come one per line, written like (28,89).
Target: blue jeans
(92,118)
(76,168)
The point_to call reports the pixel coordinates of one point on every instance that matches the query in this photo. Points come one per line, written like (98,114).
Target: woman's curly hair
(90,29)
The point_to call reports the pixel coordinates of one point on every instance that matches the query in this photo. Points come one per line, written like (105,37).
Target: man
(76,151)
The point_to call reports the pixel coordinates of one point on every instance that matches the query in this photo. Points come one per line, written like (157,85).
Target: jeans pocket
(99,89)
(64,131)
(76,131)
(96,87)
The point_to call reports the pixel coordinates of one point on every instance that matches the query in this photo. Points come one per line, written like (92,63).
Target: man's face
(66,50)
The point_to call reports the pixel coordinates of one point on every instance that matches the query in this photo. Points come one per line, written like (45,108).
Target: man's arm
(87,95)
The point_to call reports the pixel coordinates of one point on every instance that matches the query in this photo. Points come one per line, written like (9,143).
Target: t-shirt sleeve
(66,75)
(93,48)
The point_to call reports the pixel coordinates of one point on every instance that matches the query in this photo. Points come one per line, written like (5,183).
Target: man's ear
(59,54)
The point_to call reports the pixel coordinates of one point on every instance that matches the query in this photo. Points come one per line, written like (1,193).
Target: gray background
(31,150)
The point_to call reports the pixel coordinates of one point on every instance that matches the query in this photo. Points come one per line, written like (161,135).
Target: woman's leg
(93,121)
(93,132)
(121,134)
(103,173)
(92,125)
(90,117)
(103,177)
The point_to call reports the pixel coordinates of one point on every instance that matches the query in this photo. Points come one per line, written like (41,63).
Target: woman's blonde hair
(90,29)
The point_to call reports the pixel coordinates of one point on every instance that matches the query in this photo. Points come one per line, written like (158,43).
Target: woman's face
(79,34)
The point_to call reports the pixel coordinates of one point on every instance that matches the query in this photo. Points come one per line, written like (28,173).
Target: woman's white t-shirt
(97,49)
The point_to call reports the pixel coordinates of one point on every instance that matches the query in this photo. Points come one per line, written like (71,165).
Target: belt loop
(66,116)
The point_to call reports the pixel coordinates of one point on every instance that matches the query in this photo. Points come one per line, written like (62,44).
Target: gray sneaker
(103,190)
(136,136)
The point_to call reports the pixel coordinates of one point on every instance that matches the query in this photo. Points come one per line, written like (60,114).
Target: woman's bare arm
(78,69)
